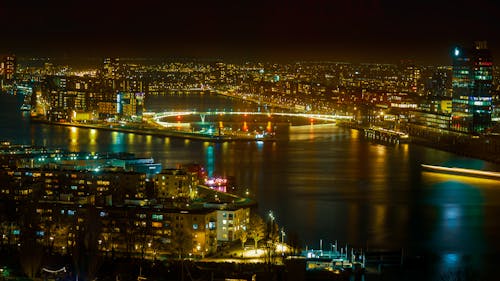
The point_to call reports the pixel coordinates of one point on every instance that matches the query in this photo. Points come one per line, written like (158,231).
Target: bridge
(157,117)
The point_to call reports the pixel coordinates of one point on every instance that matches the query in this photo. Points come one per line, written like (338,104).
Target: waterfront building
(436,105)
(472,83)
(129,162)
(130,104)
(431,119)
(82,187)
(8,67)
(140,230)
(231,222)
(173,183)
(107,109)
(155,232)
(111,205)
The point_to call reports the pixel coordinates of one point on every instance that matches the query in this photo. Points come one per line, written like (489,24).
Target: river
(323,182)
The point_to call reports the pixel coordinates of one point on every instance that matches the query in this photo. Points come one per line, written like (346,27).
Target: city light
(178,145)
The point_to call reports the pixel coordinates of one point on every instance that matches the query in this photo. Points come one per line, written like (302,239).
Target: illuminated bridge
(157,117)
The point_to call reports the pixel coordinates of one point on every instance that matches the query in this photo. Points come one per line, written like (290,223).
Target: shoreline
(462,145)
(155,132)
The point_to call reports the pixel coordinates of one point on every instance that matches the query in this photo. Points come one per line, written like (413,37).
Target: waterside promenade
(146,129)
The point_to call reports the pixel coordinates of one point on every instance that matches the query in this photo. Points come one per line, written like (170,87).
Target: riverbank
(143,129)
(481,147)
(486,148)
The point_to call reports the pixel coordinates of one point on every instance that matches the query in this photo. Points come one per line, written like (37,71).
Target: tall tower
(10,64)
(471,80)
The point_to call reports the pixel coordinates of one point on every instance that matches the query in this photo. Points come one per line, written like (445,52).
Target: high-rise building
(10,67)
(111,67)
(472,82)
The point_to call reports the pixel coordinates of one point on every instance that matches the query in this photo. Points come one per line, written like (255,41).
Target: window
(157,217)
(211,225)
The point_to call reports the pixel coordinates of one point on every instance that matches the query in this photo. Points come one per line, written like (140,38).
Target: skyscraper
(472,79)
(10,64)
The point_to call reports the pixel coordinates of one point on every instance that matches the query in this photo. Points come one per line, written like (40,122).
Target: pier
(385,135)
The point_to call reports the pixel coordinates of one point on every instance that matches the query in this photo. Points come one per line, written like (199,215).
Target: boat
(462,172)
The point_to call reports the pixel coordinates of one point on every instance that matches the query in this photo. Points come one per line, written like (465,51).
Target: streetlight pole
(270,242)
(282,241)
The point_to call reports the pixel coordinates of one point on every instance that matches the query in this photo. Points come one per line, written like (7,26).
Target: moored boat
(462,171)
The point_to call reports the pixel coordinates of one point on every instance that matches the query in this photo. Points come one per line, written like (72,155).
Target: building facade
(472,83)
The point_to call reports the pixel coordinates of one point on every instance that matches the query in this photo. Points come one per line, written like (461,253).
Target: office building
(472,83)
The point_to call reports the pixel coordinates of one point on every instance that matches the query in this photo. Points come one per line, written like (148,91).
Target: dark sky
(356,30)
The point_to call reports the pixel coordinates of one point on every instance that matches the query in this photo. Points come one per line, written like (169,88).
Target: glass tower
(471,81)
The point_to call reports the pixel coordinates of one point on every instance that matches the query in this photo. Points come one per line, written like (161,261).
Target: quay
(385,135)
(153,131)
(378,133)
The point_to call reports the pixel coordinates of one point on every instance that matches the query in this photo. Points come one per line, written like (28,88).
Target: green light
(5,272)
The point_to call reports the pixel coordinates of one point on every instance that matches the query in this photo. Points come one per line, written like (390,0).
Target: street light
(282,241)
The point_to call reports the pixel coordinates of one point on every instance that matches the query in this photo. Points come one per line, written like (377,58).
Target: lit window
(157,217)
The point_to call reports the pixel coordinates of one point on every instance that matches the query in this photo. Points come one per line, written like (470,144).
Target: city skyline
(359,31)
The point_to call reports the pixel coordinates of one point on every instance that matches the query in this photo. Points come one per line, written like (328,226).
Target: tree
(31,252)
(243,238)
(86,249)
(257,229)
(182,241)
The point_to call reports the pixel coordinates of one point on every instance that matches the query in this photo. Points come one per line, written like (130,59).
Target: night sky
(357,30)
